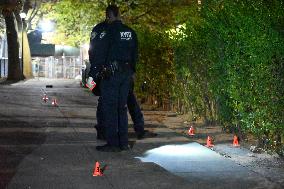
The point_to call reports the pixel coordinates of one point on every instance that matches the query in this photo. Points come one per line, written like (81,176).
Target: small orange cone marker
(98,171)
(45,98)
(236,141)
(209,142)
(54,102)
(191,131)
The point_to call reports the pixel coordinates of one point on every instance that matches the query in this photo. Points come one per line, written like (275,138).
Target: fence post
(5,67)
(0,67)
(5,62)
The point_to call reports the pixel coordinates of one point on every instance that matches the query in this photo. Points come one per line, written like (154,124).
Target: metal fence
(49,67)
(57,67)
(3,67)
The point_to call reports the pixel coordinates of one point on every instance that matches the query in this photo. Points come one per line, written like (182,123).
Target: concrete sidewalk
(42,146)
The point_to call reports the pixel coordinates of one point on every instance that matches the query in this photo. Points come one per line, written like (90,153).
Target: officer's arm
(91,46)
(91,58)
(93,68)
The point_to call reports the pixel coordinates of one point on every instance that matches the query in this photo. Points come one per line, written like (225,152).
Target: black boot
(100,133)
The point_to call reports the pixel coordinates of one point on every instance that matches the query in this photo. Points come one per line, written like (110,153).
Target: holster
(112,68)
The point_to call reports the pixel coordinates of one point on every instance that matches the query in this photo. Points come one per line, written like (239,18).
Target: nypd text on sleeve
(125,35)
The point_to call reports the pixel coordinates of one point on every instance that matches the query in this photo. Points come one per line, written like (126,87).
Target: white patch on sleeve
(93,35)
(102,34)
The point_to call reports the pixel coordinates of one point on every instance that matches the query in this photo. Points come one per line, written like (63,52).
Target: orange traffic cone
(236,141)
(209,142)
(98,171)
(54,102)
(191,131)
(45,98)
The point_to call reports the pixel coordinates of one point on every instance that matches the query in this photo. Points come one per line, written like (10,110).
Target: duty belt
(120,66)
(112,68)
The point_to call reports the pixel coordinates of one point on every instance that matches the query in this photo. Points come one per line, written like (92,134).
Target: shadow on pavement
(15,145)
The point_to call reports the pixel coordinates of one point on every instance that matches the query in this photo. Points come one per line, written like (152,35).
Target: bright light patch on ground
(175,150)
(184,152)
(186,158)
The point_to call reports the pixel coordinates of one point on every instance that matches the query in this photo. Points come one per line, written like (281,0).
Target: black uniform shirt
(98,48)
(122,44)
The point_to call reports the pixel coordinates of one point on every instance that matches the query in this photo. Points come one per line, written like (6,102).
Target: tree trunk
(27,60)
(28,73)
(14,66)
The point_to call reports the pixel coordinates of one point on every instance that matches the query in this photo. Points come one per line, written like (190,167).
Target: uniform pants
(133,108)
(100,121)
(114,93)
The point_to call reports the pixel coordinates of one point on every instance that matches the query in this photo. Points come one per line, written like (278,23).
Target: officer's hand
(90,83)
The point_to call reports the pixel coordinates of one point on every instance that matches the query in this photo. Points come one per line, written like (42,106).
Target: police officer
(97,56)
(133,106)
(117,71)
